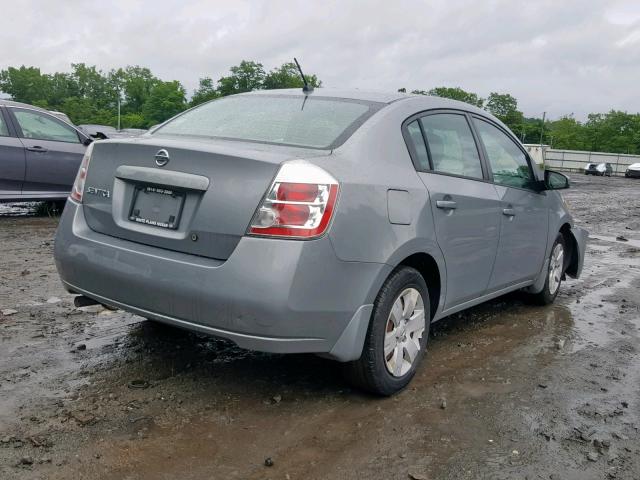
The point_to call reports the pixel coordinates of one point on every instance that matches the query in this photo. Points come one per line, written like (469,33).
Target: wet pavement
(508,390)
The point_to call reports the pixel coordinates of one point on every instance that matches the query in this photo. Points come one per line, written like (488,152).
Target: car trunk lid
(199,202)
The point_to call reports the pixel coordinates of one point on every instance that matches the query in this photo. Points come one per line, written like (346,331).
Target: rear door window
(38,126)
(451,145)
(419,148)
(4,130)
(509,165)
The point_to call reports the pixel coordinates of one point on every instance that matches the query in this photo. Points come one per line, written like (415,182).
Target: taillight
(299,203)
(78,185)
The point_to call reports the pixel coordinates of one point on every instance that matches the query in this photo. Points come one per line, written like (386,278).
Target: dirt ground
(508,390)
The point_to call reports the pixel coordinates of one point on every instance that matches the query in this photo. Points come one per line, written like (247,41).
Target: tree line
(89,95)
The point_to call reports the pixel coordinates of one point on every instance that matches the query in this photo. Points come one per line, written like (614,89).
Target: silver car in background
(340,223)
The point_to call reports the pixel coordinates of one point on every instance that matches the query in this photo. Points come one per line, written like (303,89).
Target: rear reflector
(78,185)
(299,204)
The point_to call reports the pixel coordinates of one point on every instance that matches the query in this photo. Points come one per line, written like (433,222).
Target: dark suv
(39,153)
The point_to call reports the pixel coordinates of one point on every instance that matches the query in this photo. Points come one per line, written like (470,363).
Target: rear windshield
(317,122)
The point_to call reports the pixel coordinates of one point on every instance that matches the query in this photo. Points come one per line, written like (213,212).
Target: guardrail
(576,161)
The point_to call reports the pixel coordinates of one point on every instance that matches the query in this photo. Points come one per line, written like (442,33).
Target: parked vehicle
(633,171)
(601,169)
(39,153)
(133,132)
(335,222)
(61,116)
(102,132)
(99,132)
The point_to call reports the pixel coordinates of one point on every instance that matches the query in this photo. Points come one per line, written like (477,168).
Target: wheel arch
(349,346)
(424,255)
(572,259)
(428,268)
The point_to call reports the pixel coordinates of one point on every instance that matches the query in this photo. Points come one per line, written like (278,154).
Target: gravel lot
(508,390)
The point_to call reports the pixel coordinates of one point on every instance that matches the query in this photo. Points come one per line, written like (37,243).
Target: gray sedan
(39,153)
(340,223)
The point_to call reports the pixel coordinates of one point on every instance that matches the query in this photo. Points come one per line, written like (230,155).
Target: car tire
(554,274)
(394,321)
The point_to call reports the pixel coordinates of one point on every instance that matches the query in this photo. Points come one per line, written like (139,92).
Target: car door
(53,152)
(465,206)
(12,160)
(524,209)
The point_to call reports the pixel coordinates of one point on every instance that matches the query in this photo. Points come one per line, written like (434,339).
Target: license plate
(157,206)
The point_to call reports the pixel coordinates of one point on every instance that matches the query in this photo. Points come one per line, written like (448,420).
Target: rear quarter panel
(372,162)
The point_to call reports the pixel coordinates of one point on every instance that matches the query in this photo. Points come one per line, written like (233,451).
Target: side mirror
(87,141)
(555,180)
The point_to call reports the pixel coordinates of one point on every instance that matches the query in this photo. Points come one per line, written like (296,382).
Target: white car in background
(633,170)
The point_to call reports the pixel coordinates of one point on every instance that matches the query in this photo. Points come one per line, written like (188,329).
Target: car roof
(11,103)
(422,102)
(361,95)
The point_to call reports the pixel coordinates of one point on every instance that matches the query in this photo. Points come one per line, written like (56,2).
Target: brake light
(78,184)
(299,203)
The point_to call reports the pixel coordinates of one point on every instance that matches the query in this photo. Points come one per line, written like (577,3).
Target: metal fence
(576,161)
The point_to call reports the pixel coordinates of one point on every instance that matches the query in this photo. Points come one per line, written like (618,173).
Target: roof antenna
(307,88)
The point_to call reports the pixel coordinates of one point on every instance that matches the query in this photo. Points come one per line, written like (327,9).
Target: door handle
(37,148)
(446,204)
(509,212)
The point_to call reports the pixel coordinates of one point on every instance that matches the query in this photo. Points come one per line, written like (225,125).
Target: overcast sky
(562,56)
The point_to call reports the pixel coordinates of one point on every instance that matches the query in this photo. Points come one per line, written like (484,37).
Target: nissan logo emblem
(162,157)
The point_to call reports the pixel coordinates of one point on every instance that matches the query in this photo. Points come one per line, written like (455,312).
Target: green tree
(566,133)
(245,77)
(60,87)
(454,93)
(530,129)
(79,110)
(166,99)
(206,91)
(133,120)
(288,76)
(505,107)
(89,83)
(84,110)
(24,84)
(135,83)
(617,132)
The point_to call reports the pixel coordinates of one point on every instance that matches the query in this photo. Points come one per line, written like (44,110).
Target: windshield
(314,122)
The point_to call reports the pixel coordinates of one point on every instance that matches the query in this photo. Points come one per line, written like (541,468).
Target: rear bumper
(270,295)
